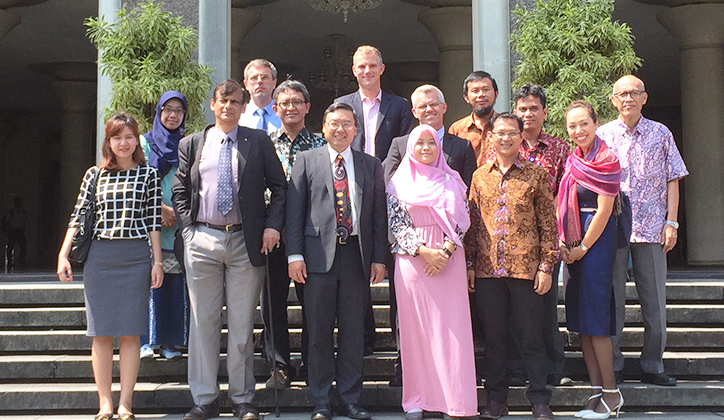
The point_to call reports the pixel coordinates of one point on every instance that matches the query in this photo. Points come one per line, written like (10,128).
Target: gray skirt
(117,282)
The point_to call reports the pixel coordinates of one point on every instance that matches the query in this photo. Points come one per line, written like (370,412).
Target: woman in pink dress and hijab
(426,206)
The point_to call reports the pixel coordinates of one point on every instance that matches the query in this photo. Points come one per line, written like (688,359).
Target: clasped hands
(570,255)
(436,259)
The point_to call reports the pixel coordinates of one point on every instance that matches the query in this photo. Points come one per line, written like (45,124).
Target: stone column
(449,26)
(108,11)
(215,43)
(242,21)
(699,30)
(491,45)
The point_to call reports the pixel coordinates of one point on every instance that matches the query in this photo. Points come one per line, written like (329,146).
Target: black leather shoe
(353,411)
(494,410)
(619,377)
(661,379)
(245,411)
(203,411)
(279,378)
(321,413)
(542,412)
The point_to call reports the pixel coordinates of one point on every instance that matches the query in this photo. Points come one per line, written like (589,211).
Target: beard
(483,111)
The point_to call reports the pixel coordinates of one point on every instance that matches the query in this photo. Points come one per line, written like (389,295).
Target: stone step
(709,315)
(176,398)
(16,294)
(379,366)
(75,341)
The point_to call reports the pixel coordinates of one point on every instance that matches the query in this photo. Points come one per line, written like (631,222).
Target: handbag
(82,240)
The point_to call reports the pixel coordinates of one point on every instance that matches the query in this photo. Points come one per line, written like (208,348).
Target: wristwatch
(675,225)
(584,248)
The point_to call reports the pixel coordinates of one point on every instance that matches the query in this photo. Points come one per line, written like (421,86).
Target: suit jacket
(259,169)
(395,120)
(311,228)
(459,155)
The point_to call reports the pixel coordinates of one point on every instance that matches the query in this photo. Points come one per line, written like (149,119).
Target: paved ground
(395,416)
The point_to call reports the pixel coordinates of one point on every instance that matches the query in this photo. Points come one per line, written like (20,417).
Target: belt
(347,241)
(225,228)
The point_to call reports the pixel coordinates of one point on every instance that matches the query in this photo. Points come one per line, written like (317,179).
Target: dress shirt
(287,148)
(512,222)
(441,134)
(649,159)
(209,174)
(371,110)
(550,154)
(465,128)
(250,118)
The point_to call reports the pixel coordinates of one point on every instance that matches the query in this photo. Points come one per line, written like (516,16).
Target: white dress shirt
(371,111)
(251,118)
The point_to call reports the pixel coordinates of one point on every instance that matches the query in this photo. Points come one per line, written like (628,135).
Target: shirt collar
(378,97)
(251,108)
(543,138)
(281,135)
(493,163)
(346,154)
(221,135)
(639,125)
(441,133)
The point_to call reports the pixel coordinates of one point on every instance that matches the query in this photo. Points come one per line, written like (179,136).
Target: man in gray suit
(336,239)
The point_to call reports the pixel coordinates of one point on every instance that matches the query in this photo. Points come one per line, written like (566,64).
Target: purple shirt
(649,159)
(209,174)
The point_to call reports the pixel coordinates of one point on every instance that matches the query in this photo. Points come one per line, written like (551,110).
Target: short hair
(336,106)
(427,89)
(229,86)
(585,105)
(293,85)
(478,75)
(367,49)
(507,116)
(529,90)
(114,126)
(260,62)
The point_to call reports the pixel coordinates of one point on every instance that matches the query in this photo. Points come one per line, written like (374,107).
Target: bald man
(651,168)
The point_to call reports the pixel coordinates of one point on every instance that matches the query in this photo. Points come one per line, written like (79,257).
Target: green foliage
(146,53)
(573,50)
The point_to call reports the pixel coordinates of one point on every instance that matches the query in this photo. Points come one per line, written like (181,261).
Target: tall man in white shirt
(260,79)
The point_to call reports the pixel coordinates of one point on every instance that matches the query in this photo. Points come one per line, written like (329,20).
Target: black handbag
(82,240)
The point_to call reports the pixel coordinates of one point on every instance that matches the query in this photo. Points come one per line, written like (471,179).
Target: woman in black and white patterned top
(120,268)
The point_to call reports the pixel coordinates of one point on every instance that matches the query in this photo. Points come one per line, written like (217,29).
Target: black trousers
(342,294)
(501,301)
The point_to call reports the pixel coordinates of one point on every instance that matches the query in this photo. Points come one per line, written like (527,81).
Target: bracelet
(444,248)
(158,263)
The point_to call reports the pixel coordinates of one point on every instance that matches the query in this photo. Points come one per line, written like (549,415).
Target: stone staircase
(45,355)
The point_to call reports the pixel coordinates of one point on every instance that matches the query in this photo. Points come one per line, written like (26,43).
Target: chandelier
(344,6)
(337,74)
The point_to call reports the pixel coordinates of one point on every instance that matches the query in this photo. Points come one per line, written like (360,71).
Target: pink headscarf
(436,186)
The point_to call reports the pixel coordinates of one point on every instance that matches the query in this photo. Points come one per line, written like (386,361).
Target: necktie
(262,121)
(342,205)
(224,196)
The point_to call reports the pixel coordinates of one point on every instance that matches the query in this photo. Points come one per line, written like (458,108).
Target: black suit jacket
(259,169)
(395,120)
(459,155)
(311,228)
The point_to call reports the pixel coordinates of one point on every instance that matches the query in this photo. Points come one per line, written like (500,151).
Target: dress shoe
(542,412)
(279,378)
(203,411)
(606,414)
(146,352)
(108,416)
(127,416)
(170,352)
(353,411)
(321,412)
(619,377)
(658,379)
(245,411)
(494,410)
(559,380)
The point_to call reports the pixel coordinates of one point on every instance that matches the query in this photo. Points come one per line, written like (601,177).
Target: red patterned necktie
(342,205)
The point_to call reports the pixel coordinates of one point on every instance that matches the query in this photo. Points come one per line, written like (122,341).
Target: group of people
(470,225)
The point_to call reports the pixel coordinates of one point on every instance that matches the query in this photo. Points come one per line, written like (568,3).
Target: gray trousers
(218,272)
(649,266)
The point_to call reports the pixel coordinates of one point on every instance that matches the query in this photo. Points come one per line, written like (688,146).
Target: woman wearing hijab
(587,232)
(428,216)
(168,305)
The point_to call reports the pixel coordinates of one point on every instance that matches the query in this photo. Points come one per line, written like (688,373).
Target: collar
(363,97)
(346,154)
(251,108)
(441,133)
(486,127)
(493,163)
(639,125)
(281,135)
(221,135)
(543,138)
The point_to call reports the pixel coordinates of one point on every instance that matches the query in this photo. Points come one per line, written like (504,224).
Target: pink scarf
(436,186)
(599,171)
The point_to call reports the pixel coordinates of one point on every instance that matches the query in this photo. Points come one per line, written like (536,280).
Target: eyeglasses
(295,103)
(177,111)
(346,125)
(423,107)
(635,94)
(504,134)
(259,78)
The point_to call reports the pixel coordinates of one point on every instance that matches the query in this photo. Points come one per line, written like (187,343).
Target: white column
(107,10)
(215,42)
(698,29)
(491,48)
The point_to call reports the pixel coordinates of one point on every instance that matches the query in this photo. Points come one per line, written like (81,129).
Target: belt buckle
(227,228)
(341,241)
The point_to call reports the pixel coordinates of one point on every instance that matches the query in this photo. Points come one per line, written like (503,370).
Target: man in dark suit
(380,117)
(218,195)
(336,239)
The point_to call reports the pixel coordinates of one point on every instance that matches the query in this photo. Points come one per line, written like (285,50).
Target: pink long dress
(436,340)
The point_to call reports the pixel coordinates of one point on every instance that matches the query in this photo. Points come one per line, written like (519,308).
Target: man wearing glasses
(651,168)
(260,78)
(511,249)
(291,105)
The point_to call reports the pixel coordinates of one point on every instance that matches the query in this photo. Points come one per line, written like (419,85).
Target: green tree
(574,50)
(145,53)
